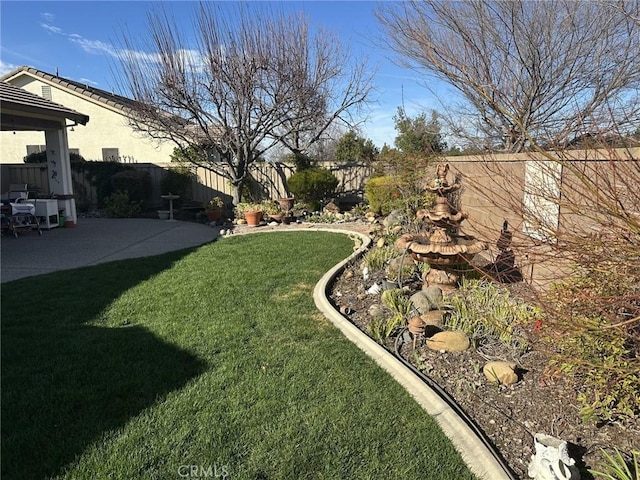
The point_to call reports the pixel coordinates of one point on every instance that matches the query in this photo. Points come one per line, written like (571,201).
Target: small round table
(171,197)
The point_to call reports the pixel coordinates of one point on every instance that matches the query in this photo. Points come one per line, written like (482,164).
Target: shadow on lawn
(65,383)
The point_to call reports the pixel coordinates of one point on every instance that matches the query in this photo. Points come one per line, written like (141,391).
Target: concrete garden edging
(474,452)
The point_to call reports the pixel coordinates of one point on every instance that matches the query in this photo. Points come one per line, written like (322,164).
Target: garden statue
(551,460)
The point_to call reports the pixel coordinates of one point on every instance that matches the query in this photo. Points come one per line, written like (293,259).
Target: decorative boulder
(376,311)
(502,372)
(400,268)
(396,217)
(434,317)
(449,341)
(434,294)
(421,302)
(331,208)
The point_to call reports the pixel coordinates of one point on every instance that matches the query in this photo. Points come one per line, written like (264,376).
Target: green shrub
(382,328)
(591,326)
(397,300)
(391,192)
(606,372)
(41,157)
(119,205)
(616,468)
(99,174)
(384,194)
(136,182)
(378,257)
(487,312)
(176,180)
(313,185)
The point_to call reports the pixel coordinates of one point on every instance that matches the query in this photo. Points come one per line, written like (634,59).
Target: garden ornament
(443,247)
(551,460)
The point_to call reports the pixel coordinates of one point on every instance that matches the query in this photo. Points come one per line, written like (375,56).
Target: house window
(110,155)
(36,149)
(46,92)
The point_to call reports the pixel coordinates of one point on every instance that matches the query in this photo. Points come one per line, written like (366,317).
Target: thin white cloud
(6,67)
(92,46)
(48,17)
(51,28)
(98,47)
(87,81)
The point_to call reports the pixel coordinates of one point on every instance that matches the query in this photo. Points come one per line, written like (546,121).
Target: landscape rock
(434,294)
(421,302)
(503,372)
(365,274)
(380,243)
(434,317)
(331,208)
(376,311)
(403,261)
(449,341)
(396,217)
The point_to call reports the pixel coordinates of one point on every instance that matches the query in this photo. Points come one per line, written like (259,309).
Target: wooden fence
(266,181)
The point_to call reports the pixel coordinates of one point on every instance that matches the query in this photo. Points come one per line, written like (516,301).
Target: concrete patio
(96,240)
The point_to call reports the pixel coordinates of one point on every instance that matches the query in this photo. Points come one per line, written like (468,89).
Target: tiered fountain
(442,246)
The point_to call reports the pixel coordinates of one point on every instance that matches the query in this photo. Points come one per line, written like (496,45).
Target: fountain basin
(434,249)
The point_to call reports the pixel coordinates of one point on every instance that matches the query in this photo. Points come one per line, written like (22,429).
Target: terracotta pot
(213,215)
(253,218)
(276,217)
(286,203)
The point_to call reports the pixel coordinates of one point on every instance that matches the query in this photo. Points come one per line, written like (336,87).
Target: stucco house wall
(108,128)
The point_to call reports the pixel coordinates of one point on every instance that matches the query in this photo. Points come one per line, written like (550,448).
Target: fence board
(267,181)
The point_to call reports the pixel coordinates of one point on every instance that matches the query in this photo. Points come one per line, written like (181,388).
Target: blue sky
(77,39)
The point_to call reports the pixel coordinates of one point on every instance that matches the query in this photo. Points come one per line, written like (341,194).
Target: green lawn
(202,362)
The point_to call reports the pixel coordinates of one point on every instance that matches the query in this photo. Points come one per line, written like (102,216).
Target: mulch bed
(508,415)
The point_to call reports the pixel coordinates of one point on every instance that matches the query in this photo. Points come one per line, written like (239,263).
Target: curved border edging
(480,461)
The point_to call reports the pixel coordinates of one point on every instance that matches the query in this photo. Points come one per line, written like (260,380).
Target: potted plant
(252,213)
(213,209)
(272,210)
(286,203)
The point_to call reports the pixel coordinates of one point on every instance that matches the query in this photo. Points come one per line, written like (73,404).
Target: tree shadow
(66,383)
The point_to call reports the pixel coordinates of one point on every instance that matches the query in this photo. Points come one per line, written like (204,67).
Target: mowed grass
(203,362)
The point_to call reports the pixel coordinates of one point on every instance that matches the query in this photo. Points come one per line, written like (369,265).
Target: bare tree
(546,70)
(327,90)
(253,80)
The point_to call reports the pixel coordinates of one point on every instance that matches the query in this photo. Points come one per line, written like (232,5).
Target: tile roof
(103,96)
(16,98)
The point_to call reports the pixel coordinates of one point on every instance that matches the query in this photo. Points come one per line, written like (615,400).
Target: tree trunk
(236,191)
